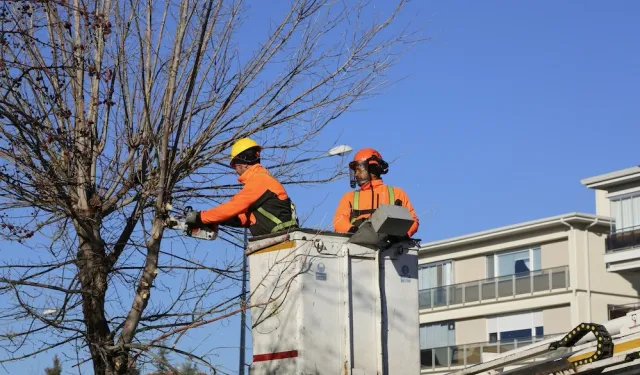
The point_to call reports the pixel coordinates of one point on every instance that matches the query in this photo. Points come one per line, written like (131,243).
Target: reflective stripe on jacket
(262,205)
(357,205)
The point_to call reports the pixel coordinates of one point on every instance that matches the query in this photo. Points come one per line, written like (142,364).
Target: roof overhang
(570,219)
(607,180)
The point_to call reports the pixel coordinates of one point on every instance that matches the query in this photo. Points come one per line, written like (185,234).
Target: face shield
(358,173)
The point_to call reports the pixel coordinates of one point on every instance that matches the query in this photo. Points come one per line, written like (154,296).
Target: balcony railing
(470,354)
(623,239)
(549,279)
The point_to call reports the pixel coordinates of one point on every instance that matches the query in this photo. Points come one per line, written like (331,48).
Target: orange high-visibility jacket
(347,212)
(262,205)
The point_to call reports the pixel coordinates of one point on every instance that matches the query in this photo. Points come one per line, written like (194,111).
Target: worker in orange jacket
(356,206)
(262,205)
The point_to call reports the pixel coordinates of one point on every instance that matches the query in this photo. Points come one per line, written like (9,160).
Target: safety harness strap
(279,224)
(355,212)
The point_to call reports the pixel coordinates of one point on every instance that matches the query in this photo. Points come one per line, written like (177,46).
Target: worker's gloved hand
(193,218)
(353,229)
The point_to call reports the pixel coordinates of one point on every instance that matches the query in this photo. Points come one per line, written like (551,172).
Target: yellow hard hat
(243,145)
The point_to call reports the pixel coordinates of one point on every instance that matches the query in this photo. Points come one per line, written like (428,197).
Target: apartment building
(493,291)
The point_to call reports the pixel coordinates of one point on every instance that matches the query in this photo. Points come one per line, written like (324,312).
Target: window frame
(498,333)
(451,325)
(613,199)
(435,264)
(495,255)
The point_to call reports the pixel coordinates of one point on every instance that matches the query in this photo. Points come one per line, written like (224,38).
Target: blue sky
(504,111)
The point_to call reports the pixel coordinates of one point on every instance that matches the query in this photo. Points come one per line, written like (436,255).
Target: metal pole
(243,302)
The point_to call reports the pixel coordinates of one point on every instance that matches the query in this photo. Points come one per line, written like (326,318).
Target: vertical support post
(513,285)
(479,290)
(447,295)
(464,353)
(433,294)
(464,297)
(433,358)
(566,277)
(550,279)
(531,282)
(243,303)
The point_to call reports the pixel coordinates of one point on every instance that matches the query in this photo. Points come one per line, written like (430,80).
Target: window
(513,262)
(437,335)
(436,340)
(626,212)
(520,326)
(434,275)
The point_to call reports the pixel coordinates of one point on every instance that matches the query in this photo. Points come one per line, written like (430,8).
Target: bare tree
(112,109)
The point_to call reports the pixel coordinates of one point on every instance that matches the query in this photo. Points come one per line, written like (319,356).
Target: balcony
(470,354)
(623,239)
(623,250)
(546,280)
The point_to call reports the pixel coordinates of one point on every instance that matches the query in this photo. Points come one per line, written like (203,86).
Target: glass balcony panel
(541,281)
(523,283)
(505,286)
(442,356)
(472,292)
(489,289)
(623,239)
(473,353)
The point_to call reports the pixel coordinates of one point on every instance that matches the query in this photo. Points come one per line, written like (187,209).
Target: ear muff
(381,168)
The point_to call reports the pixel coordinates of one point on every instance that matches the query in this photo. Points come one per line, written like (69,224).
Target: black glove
(193,218)
(353,229)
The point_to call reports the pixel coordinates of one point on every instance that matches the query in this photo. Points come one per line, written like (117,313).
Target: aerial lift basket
(332,303)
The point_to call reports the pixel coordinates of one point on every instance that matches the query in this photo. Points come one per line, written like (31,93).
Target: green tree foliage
(188,368)
(56,369)
(162,362)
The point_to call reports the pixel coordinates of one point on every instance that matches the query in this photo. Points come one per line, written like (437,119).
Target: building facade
(493,291)
(618,196)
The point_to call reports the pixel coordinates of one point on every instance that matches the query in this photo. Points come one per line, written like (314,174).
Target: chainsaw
(201,232)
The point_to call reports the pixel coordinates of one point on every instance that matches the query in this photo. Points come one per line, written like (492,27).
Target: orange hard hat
(365,154)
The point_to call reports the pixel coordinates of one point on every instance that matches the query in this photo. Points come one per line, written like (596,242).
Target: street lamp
(335,151)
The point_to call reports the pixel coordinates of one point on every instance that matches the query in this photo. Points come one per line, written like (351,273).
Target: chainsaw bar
(203,233)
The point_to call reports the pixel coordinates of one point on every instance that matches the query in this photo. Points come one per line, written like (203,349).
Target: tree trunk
(92,270)
(142,296)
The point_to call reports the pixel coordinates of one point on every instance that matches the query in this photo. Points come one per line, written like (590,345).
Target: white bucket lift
(323,304)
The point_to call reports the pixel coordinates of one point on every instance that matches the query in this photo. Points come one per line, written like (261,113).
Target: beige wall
(469,269)
(554,254)
(603,207)
(459,312)
(471,330)
(599,305)
(482,248)
(556,320)
(600,279)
